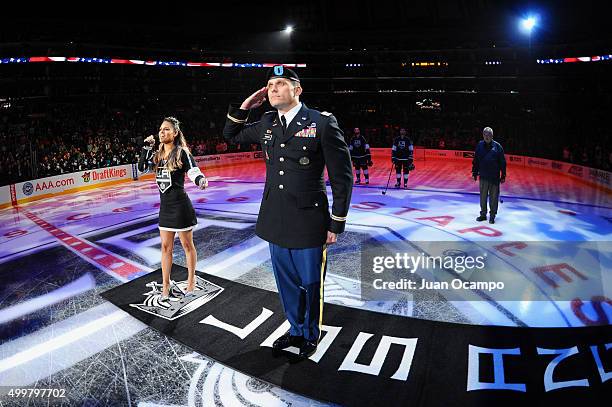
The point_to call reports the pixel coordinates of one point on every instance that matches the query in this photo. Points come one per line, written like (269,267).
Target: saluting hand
(255,100)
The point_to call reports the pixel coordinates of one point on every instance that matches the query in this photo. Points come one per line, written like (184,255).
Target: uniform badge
(308,132)
(304,161)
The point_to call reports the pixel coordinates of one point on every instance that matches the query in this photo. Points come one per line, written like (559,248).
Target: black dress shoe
(481,218)
(287,340)
(308,349)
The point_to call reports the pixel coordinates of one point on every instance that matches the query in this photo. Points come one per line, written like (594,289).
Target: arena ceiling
(319,25)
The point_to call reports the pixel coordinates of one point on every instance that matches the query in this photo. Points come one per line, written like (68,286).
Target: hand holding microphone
(203,184)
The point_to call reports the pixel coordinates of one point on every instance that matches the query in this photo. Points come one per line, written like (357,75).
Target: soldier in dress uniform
(360,154)
(298,143)
(402,156)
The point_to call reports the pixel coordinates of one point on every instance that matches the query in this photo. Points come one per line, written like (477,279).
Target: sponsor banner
(538,163)
(574,170)
(599,177)
(75,180)
(449,154)
(515,159)
(556,165)
(439,153)
(225,159)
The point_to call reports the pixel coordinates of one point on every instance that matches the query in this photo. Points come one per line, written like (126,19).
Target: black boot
(492,219)
(481,218)
(397,184)
(307,349)
(287,340)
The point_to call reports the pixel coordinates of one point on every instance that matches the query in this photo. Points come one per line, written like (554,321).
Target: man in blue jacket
(489,162)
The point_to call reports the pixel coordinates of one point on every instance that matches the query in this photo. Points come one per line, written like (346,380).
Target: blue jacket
(489,163)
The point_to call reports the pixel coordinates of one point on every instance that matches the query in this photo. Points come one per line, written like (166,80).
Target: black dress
(176,214)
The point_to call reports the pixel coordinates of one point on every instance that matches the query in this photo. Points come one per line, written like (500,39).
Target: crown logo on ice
(177,305)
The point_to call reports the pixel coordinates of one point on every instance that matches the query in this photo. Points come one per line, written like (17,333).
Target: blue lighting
(529,23)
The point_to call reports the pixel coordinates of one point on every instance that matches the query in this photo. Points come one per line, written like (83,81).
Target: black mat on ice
(437,375)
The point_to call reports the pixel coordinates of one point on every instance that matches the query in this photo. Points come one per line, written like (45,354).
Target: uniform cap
(279,71)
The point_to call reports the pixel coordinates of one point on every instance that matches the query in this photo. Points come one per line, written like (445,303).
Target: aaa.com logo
(28,188)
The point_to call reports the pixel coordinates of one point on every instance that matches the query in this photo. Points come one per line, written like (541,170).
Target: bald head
(487,134)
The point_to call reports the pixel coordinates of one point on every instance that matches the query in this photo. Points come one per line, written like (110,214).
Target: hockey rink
(58,254)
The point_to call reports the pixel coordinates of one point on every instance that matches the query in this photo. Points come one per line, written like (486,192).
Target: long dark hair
(180,144)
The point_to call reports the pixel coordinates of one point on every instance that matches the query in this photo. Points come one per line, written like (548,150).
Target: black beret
(279,71)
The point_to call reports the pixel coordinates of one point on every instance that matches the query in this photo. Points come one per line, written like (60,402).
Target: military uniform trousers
(300,274)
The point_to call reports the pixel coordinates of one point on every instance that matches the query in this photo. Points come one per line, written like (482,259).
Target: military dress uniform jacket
(294,210)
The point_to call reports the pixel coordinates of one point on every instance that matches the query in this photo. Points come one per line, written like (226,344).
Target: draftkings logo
(177,305)
(86,176)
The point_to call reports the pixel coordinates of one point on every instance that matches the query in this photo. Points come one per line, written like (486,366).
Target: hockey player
(360,155)
(402,156)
